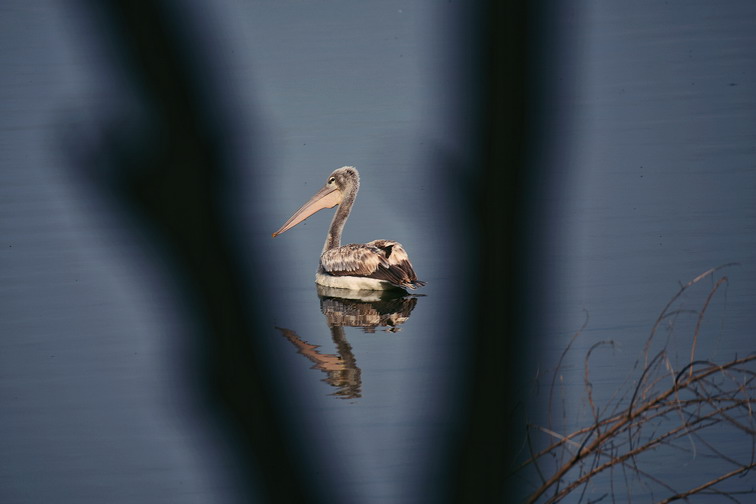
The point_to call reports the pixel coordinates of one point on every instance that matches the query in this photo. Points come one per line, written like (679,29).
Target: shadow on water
(368,310)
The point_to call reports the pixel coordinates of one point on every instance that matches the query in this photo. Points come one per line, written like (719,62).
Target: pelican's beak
(327,197)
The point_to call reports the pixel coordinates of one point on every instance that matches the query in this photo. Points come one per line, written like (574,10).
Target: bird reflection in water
(368,310)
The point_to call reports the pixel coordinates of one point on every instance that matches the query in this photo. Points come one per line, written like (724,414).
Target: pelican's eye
(332,180)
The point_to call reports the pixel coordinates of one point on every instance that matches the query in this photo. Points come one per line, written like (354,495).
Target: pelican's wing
(353,260)
(379,259)
(398,261)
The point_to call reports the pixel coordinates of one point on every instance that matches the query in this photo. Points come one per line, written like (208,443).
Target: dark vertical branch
(170,171)
(486,444)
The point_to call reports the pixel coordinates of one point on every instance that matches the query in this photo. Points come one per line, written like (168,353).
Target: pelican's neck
(333,239)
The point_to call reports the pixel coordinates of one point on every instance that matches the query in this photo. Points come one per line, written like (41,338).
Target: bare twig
(700,395)
(708,484)
(701,316)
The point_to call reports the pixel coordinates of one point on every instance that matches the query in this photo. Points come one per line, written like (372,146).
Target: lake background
(648,163)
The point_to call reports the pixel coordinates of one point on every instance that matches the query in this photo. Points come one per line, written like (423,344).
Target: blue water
(650,160)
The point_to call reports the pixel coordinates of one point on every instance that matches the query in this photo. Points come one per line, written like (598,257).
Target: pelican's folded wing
(379,259)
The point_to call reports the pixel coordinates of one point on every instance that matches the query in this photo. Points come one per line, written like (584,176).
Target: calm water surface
(655,165)
(651,165)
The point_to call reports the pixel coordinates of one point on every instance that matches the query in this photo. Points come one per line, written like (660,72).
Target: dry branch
(665,407)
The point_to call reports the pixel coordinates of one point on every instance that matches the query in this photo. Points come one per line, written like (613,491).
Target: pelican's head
(341,185)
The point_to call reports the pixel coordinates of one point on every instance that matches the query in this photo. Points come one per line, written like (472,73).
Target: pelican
(376,265)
